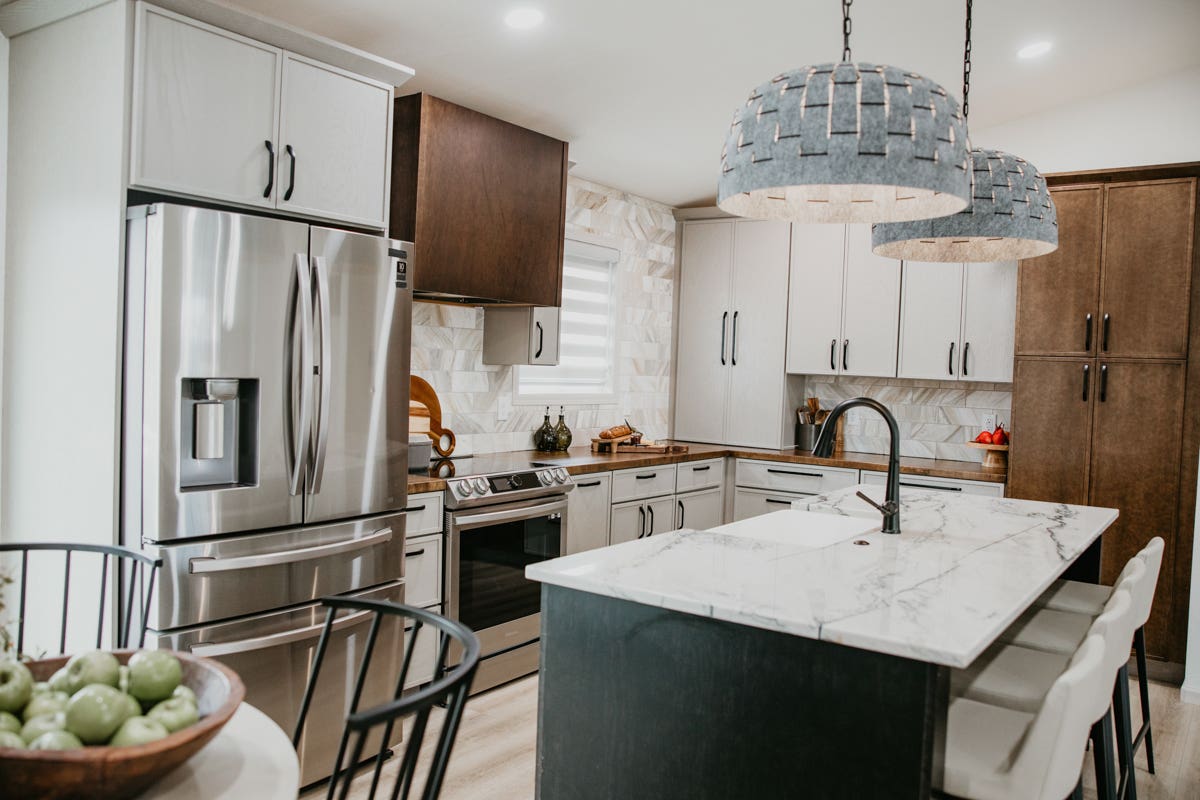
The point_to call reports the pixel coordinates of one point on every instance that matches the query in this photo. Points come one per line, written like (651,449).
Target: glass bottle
(543,437)
(562,434)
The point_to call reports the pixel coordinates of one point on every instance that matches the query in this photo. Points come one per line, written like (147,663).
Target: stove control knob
(545,477)
(517,481)
(481,486)
(560,475)
(462,488)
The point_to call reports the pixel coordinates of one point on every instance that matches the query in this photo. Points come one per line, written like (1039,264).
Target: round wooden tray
(995,456)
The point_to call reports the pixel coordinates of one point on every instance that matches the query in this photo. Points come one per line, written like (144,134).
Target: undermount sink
(803,528)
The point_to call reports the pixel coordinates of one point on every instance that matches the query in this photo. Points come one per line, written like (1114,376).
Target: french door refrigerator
(265,447)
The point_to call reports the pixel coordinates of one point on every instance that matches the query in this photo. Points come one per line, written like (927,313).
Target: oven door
(487,552)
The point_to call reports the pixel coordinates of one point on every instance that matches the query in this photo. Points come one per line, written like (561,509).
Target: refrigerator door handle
(326,392)
(203,565)
(276,639)
(300,309)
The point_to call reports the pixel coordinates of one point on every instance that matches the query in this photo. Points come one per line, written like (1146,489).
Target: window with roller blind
(587,334)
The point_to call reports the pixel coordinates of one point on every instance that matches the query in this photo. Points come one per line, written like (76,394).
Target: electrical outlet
(989,422)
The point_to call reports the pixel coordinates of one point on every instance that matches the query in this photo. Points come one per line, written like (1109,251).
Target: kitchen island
(797,654)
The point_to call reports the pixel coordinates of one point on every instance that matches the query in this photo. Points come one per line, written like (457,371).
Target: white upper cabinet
(958,320)
(843,303)
(222,117)
(205,110)
(335,132)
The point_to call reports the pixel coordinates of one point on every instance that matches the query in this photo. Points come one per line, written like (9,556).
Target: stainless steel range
(496,525)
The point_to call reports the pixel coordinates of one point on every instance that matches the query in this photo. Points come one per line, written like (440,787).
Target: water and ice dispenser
(218,433)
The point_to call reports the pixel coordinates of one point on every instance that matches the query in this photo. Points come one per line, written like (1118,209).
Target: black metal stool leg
(1139,645)
(1102,748)
(1127,784)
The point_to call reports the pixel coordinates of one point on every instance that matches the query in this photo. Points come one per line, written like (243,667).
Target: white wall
(1152,123)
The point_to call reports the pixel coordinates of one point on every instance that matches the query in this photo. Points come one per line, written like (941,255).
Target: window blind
(587,338)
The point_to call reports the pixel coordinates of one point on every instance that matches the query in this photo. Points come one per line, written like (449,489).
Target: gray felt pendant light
(1011,215)
(846,142)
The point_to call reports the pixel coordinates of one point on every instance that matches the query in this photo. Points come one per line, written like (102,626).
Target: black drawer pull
(1103,382)
(794,472)
(588,485)
(927,486)
(291,173)
(646,477)
(779,502)
(1104,335)
(950,362)
(1086,369)
(1087,333)
(413,509)
(702,469)
(415,553)
(270,168)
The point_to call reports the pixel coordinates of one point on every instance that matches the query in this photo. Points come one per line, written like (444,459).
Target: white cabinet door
(627,521)
(335,134)
(205,111)
(587,513)
(660,515)
(757,342)
(543,336)
(814,325)
(930,316)
(702,372)
(989,321)
(699,510)
(872,308)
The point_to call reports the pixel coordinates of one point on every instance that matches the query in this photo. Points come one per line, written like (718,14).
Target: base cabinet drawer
(694,475)
(699,510)
(424,653)
(950,485)
(785,477)
(637,484)
(423,514)
(755,502)
(423,570)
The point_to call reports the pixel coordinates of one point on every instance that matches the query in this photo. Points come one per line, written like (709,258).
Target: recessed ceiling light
(524,18)
(1034,50)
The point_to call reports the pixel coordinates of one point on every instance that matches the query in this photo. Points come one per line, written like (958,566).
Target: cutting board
(425,415)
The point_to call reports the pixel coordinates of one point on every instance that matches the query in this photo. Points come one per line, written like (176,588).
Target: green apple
(132,707)
(16,685)
(39,725)
(10,739)
(175,713)
(41,687)
(138,730)
(153,675)
(183,691)
(9,722)
(94,666)
(41,704)
(95,712)
(56,740)
(60,681)
(123,678)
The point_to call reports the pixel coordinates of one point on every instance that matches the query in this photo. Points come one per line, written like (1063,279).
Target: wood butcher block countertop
(580,461)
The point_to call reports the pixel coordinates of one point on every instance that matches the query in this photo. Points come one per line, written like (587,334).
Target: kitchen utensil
(422,395)
(108,773)
(806,435)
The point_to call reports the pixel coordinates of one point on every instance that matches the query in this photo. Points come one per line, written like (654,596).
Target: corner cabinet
(219,116)
(730,383)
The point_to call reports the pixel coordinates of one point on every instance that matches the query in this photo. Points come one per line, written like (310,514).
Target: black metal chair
(135,587)
(448,688)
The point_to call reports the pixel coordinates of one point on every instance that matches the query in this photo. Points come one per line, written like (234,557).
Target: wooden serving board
(609,445)
(652,448)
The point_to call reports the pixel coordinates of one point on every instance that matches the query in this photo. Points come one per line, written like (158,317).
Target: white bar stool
(995,753)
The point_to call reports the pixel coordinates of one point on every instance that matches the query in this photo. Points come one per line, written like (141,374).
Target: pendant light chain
(846,30)
(966,103)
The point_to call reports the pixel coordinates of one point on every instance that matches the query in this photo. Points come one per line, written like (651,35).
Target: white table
(250,758)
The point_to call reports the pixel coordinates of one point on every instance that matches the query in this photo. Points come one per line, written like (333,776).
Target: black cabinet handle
(642,512)
(587,485)
(650,511)
(1087,333)
(291,174)
(724,319)
(646,477)
(415,553)
(950,363)
(1104,334)
(779,502)
(1086,369)
(270,168)
(541,336)
(705,468)
(794,472)
(680,502)
(832,355)
(845,350)
(733,343)
(966,349)
(1103,382)
(413,509)
(936,488)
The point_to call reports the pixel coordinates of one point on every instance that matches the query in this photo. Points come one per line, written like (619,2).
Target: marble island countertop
(963,568)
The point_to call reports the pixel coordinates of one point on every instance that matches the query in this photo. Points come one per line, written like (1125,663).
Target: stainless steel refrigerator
(266,446)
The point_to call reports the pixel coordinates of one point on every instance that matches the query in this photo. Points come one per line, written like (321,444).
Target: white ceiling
(645,89)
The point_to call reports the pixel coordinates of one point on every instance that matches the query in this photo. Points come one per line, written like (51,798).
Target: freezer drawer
(223,578)
(272,653)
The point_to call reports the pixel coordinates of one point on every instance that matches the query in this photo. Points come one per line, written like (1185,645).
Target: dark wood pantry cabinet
(1106,380)
(483,200)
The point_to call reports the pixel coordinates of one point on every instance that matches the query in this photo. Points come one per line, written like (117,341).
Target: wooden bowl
(110,773)
(995,456)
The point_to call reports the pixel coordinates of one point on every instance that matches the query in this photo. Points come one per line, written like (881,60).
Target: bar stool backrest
(1046,763)
(1143,600)
(1115,627)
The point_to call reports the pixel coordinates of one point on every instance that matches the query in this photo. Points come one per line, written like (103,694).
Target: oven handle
(467,521)
(207,564)
(276,639)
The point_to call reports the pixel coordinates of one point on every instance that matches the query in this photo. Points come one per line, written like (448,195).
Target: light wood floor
(493,758)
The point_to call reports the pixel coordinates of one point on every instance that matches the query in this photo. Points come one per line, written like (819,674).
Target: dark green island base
(642,702)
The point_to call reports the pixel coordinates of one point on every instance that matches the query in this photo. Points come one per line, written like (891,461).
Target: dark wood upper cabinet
(1146,276)
(1052,430)
(483,200)
(1057,292)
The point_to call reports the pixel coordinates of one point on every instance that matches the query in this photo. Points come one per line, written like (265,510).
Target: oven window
(493,588)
